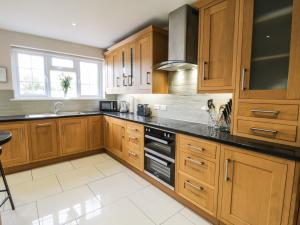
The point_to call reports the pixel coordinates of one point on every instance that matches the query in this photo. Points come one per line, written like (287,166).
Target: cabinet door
(269,49)
(144,61)
(253,189)
(217,27)
(109,73)
(117,137)
(73,135)
(43,139)
(107,133)
(118,70)
(95,132)
(15,152)
(130,69)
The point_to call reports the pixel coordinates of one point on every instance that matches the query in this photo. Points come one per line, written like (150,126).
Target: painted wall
(8,38)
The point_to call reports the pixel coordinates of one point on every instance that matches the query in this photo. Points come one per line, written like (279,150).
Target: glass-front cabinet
(270,49)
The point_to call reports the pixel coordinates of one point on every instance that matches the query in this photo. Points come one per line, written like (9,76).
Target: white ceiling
(100,23)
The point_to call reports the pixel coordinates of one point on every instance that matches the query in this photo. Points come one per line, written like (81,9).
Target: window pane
(56,80)
(31,75)
(59,62)
(89,79)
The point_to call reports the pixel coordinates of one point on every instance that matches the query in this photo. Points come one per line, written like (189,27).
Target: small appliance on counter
(143,110)
(124,107)
(108,106)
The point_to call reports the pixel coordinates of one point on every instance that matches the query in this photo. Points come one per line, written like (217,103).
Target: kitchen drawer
(197,167)
(271,111)
(135,158)
(196,192)
(197,146)
(134,129)
(268,130)
(134,142)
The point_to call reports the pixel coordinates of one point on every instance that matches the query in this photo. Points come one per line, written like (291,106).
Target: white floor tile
(114,187)
(78,177)
(120,213)
(17,178)
(88,161)
(196,219)
(110,167)
(24,215)
(137,178)
(106,156)
(51,170)
(67,206)
(33,190)
(178,219)
(156,204)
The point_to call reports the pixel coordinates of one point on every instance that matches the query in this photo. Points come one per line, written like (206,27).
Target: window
(39,74)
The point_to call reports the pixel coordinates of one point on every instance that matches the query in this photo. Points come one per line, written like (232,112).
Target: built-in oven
(159,163)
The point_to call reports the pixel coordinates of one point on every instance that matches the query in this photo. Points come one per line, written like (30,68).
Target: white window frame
(48,67)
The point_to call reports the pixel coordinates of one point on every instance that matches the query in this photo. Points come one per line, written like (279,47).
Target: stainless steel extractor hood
(183,40)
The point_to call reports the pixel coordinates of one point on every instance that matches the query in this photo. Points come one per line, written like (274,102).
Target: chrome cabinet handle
(275,113)
(124,79)
(243,78)
(198,188)
(203,69)
(255,129)
(44,125)
(195,148)
(118,78)
(129,78)
(130,153)
(148,75)
(194,161)
(226,178)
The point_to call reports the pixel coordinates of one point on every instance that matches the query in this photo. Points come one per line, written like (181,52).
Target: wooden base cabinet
(43,141)
(73,135)
(95,132)
(15,152)
(254,189)
(117,137)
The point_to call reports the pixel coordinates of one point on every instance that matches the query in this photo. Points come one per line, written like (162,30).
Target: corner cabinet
(217,45)
(269,44)
(129,64)
(254,189)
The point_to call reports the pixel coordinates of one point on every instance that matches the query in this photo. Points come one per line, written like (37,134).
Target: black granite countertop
(4,137)
(184,127)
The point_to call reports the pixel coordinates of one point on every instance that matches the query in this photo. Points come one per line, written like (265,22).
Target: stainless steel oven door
(160,169)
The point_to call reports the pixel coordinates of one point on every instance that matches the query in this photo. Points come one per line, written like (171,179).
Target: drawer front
(136,159)
(135,129)
(271,111)
(134,142)
(197,146)
(268,130)
(196,192)
(197,167)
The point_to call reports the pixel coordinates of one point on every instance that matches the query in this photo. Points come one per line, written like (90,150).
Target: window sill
(56,99)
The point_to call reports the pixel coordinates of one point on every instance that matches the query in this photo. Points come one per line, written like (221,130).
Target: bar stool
(4,138)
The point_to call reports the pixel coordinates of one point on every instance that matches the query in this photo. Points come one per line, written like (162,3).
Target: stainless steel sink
(41,115)
(69,113)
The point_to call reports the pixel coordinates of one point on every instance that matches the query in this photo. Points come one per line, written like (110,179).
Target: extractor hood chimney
(183,40)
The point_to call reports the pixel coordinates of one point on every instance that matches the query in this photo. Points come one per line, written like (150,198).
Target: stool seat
(5,137)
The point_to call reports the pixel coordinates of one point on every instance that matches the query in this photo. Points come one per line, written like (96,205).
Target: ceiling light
(268,36)
(74,24)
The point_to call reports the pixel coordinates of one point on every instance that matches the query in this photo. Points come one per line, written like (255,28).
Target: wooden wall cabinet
(95,132)
(254,189)
(43,139)
(15,152)
(129,63)
(217,45)
(73,135)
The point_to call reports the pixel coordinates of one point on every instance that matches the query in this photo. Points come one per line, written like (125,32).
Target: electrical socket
(163,107)
(156,107)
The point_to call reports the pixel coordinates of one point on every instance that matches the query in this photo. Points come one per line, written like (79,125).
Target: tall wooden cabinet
(129,64)
(43,141)
(217,44)
(15,152)
(73,135)
(95,133)
(255,189)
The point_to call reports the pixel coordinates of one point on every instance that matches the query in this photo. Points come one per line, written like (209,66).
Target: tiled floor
(95,190)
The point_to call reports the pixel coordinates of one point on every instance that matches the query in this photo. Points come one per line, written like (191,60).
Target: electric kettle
(124,106)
